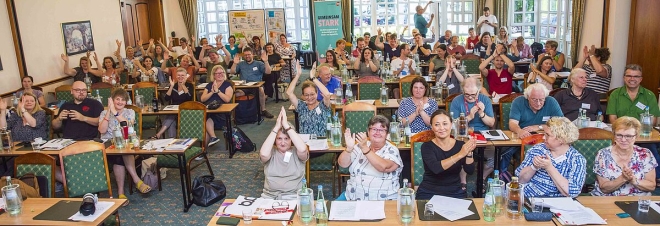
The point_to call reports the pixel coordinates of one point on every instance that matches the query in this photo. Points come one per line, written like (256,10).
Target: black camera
(88,206)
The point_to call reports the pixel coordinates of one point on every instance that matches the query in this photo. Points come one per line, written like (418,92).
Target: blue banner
(327,25)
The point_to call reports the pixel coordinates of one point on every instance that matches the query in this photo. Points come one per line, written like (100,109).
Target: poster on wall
(275,23)
(327,25)
(248,23)
(77,37)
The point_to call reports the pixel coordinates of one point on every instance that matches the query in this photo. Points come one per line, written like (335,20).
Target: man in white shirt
(403,66)
(487,22)
(183,49)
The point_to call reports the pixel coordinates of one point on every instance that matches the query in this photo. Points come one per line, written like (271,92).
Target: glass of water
(537,205)
(247,216)
(644,204)
(428,211)
(313,136)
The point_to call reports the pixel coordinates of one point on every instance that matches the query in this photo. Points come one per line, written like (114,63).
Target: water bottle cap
(490,180)
(320,187)
(496,171)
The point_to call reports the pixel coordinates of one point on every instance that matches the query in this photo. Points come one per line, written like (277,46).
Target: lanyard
(467,110)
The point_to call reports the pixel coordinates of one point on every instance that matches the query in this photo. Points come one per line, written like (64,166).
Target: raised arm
(66,69)
(292,87)
(301,147)
(512,67)
(484,64)
(379,42)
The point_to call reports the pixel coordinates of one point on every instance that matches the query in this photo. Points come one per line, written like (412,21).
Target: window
(213,18)
(391,15)
(542,20)
(459,18)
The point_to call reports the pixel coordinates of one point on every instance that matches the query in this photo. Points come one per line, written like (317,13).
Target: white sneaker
(199,158)
(163,173)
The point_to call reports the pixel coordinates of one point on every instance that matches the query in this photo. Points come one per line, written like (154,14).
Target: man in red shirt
(361,43)
(500,81)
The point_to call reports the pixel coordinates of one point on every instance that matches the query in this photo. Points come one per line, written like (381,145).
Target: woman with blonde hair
(29,120)
(503,37)
(221,91)
(624,168)
(554,168)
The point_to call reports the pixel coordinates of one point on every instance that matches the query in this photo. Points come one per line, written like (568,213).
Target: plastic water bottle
(336,131)
(339,96)
(328,126)
(98,97)
(383,94)
(406,203)
(135,141)
(498,193)
(119,138)
(646,123)
(599,119)
(394,130)
(12,197)
(321,209)
(462,126)
(349,93)
(489,204)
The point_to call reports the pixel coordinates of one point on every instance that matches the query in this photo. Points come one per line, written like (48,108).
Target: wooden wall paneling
(128,24)
(156,20)
(142,22)
(642,40)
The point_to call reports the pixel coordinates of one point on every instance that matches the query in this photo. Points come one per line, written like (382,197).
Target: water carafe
(306,204)
(120,142)
(7,142)
(395,136)
(406,204)
(646,119)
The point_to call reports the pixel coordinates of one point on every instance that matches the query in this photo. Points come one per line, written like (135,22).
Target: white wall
(174,19)
(617,39)
(592,28)
(9,76)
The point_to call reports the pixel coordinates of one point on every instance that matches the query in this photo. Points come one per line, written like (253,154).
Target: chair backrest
(449,99)
(609,93)
(85,169)
(416,161)
(470,57)
(357,116)
(105,90)
(192,121)
(555,91)
(527,143)
(137,126)
(369,87)
(505,109)
(63,92)
(592,140)
(38,163)
(404,86)
(146,89)
(472,66)
(50,115)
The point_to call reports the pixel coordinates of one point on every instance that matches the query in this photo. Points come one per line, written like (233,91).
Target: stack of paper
(357,210)
(57,144)
(203,85)
(571,212)
(171,108)
(263,209)
(179,144)
(451,208)
(497,135)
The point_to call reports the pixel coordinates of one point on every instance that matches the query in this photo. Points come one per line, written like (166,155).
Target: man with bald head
(325,77)
(79,119)
(420,23)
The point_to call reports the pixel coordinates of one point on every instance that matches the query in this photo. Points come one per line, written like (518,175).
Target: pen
(241,217)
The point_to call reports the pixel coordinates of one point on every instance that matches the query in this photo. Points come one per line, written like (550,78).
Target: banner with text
(327,26)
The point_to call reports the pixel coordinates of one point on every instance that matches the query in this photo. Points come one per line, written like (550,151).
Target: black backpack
(241,141)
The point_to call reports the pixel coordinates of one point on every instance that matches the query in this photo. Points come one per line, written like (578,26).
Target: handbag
(150,177)
(206,191)
(213,105)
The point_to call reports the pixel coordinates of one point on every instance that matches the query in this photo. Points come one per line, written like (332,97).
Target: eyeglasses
(537,100)
(309,95)
(633,76)
(80,90)
(376,130)
(219,73)
(471,95)
(621,136)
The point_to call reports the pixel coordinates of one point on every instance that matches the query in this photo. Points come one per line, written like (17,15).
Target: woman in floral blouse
(624,168)
(311,112)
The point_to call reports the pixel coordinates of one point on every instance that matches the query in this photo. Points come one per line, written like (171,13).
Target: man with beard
(253,71)
(79,119)
(500,80)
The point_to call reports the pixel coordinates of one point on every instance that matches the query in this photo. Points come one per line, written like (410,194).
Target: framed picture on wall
(77,37)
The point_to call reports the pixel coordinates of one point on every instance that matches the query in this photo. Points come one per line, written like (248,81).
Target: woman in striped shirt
(600,74)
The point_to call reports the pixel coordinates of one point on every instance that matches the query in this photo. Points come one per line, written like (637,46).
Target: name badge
(503,80)
(450,86)
(593,75)
(426,105)
(318,110)
(180,92)
(641,106)
(255,69)
(559,159)
(287,156)
(586,106)
(546,118)
(393,49)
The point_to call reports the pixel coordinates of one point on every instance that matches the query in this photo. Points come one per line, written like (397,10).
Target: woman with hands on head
(554,168)
(367,64)
(29,120)
(594,61)
(444,158)
(284,164)
(624,168)
(374,163)
(180,91)
(451,76)
(416,109)
(542,73)
(221,91)
(26,87)
(486,46)
(110,120)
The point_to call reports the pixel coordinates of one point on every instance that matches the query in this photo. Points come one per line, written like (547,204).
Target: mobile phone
(623,215)
(493,133)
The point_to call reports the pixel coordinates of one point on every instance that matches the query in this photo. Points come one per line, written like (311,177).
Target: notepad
(171,108)
(357,210)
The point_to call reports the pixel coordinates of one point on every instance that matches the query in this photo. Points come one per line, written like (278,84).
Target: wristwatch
(540,127)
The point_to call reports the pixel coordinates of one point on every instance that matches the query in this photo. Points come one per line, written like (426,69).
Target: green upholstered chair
(591,141)
(356,116)
(369,87)
(472,66)
(38,163)
(192,124)
(104,89)
(404,86)
(505,109)
(85,169)
(147,90)
(449,99)
(63,92)
(417,164)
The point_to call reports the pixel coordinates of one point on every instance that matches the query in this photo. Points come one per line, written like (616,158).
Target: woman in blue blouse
(180,91)
(233,47)
(554,168)
(221,91)
(28,122)
(311,112)
(417,108)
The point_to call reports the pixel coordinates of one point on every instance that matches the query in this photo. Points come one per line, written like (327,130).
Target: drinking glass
(537,205)
(36,145)
(643,204)
(13,199)
(514,136)
(312,136)
(428,211)
(247,216)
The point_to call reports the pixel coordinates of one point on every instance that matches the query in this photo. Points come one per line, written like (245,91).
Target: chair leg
(160,188)
(208,163)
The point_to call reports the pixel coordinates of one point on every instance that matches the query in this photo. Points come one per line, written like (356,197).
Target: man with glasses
(528,115)
(632,100)
(325,76)
(251,70)
(79,119)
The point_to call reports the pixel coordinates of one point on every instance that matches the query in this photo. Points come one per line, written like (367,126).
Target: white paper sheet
(101,207)
(453,215)
(171,108)
(582,216)
(366,101)
(318,144)
(250,83)
(258,207)
(392,102)
(304,137)
(561,203)
(448,203)
(157,144)
(357,210)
